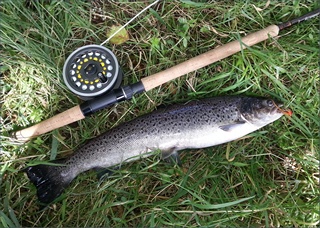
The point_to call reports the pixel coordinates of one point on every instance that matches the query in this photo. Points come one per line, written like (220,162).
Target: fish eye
(270,103)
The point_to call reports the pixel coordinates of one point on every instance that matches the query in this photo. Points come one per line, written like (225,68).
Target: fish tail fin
(48,180)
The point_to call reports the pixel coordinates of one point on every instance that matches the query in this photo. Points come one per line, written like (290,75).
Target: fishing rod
(92,72)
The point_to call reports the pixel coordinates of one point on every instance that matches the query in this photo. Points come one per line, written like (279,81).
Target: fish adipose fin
(230,127)
(171,156)
(48,181)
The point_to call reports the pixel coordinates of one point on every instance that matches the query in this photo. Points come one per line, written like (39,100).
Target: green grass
(270,178)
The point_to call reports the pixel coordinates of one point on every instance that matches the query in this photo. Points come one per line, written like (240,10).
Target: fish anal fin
(171,156)
(230,127)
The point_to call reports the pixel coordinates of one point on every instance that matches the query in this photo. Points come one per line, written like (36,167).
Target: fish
(195,124)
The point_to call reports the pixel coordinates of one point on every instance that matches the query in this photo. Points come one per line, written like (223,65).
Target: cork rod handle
(209,57)
(69,116)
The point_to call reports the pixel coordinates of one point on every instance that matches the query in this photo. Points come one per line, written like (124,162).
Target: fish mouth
(277,108)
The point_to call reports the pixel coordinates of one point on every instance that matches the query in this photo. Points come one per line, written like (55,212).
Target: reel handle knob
(102,78)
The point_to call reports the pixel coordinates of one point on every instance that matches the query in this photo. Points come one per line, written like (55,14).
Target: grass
(269,178)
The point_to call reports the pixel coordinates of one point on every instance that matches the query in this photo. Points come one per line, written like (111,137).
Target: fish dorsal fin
(231,127)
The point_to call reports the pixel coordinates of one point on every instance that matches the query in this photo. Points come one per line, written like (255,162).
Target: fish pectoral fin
(171,156)
(230,127)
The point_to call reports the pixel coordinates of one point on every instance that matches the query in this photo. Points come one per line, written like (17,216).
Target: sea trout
(196,124)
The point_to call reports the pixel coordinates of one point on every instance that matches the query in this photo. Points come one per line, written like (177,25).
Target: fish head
(261,111)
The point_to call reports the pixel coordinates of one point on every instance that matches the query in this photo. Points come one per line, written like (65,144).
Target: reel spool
(91,71)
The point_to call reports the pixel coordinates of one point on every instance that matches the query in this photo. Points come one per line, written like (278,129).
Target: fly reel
(91,71)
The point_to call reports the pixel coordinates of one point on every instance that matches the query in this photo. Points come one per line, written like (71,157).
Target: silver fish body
(196,124)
